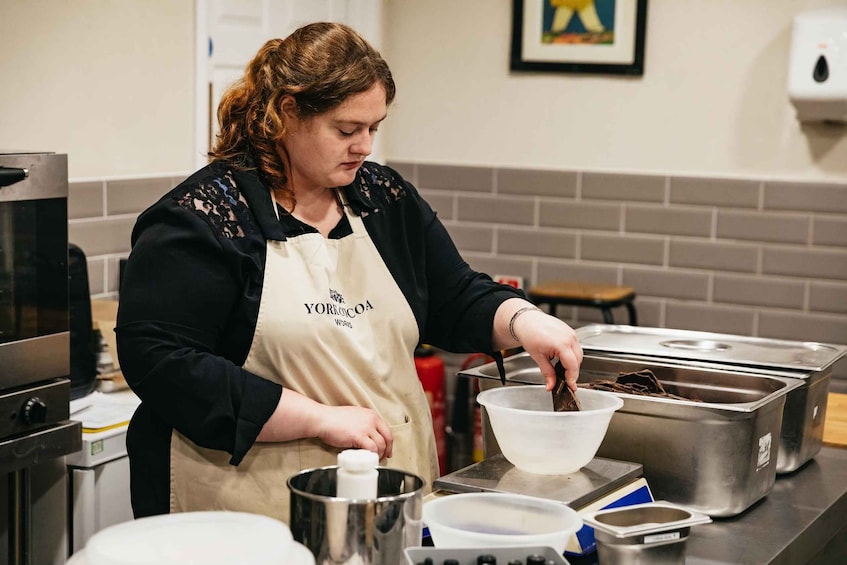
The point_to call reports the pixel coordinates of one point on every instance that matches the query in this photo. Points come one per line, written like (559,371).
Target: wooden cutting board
(835,425)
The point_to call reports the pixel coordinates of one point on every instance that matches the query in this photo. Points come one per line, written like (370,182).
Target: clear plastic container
(493,519)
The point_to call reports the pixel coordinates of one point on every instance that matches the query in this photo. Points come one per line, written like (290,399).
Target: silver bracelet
(515,317)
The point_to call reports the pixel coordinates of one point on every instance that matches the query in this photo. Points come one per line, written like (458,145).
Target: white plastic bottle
(357,474)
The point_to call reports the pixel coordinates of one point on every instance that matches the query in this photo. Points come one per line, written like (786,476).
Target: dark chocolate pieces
(642,382)
(564,400)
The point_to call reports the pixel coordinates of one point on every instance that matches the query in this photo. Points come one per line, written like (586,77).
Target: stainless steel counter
(802,520)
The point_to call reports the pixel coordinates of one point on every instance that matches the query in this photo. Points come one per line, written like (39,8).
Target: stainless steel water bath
(801,435)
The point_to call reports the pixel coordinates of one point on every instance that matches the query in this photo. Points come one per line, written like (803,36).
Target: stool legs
(633,319)
(608,318)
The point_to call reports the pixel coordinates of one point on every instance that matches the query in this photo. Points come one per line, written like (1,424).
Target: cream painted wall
(109,82)
(712,100)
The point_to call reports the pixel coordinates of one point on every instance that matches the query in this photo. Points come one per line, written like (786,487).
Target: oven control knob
(35,411)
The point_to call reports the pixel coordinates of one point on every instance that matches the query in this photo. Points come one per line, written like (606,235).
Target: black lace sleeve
(220,202)
(184,279)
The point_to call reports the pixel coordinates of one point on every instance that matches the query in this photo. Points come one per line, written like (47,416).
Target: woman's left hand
(545,337)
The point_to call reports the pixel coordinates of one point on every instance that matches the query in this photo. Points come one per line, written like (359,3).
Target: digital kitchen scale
(495,474)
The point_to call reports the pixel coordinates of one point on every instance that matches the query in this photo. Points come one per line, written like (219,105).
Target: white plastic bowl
(538,440)
(194,538)
(486,519)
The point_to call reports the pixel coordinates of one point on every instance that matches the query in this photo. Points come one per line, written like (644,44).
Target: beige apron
(334,326)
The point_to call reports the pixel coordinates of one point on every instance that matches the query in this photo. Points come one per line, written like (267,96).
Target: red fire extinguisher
(431,373)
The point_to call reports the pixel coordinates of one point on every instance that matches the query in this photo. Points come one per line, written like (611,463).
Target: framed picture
(579,36)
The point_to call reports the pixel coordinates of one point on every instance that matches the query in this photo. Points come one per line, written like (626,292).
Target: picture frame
(599,37)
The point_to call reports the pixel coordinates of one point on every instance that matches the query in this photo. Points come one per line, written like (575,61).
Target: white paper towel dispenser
(817,67)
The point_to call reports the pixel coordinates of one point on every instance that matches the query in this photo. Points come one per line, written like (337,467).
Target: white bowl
(186,538)
(535,439)
(486,519)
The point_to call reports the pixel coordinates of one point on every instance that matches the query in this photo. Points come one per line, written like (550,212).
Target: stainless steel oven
(34,331)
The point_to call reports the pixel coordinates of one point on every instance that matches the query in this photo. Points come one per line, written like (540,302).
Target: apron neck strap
(356,223)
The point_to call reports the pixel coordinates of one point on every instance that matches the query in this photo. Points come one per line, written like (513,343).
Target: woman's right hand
(298,417)
(355,427)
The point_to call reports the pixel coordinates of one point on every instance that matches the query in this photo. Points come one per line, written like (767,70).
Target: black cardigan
(190,297)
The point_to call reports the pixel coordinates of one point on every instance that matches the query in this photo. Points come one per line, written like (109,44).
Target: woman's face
(326,150)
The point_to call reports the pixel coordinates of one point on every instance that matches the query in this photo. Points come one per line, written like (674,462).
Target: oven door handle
(11,175)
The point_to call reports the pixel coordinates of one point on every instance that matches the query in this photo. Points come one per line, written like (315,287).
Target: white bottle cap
(358,460)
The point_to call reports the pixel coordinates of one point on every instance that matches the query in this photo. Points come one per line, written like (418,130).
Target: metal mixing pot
(367,532)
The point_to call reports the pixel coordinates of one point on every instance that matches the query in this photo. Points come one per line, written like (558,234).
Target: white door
(229,32)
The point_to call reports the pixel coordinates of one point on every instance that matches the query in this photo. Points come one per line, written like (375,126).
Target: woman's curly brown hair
(320,65)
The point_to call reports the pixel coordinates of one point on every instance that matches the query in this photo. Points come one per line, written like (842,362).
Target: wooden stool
(602,296)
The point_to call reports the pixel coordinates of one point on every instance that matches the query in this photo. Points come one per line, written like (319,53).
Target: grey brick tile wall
(830,230)
(787,324)
(713,255)
(101,214)
(759,291)
(85,200)
(763,226)
(499,209)
(130,196)
(623,248)
(622,188)
(747,256)
(449,177)
(581,215)
(408,171)
(805,262)
(572,271)
(536,183)
(709,317)
(676,220)
(730,193)
(529,242)
(102,236)
(667,283)
(828,297)
(812,197)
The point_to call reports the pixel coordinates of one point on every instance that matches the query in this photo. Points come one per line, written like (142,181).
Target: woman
(272,302)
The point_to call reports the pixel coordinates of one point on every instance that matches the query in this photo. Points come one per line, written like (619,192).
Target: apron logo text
(338,309)
(330,309)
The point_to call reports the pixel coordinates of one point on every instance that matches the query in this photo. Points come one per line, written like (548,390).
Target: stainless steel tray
(707,346)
